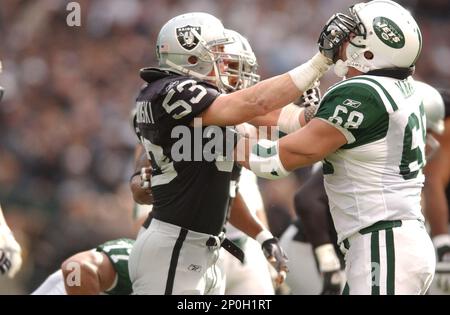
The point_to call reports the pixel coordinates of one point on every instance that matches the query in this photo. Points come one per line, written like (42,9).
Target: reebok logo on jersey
(195,268)
(351,103)
(172,85)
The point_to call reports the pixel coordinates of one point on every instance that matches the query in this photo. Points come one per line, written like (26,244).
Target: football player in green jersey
(370,133)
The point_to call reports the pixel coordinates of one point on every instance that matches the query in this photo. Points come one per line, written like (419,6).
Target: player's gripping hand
(10,253)
(146,176)
(141,186)
(311,97)
(274,254)
(334,34)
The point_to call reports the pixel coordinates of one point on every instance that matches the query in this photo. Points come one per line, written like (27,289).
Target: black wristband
(135,174)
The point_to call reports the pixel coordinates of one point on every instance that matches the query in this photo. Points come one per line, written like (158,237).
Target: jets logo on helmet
(186,37)
(389,32)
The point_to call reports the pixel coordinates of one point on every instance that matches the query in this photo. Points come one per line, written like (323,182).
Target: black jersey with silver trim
(192,193)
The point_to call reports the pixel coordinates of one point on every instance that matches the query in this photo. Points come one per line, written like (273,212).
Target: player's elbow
(80,275)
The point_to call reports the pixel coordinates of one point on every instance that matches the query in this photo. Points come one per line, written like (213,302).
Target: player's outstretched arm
(275,159)
(293,116)
(266,96)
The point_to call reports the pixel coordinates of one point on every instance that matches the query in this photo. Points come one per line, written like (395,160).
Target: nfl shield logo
(186,37)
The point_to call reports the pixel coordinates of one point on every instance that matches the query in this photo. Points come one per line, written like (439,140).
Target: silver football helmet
(434,107)
(385,36)
(241,62)
(191,44)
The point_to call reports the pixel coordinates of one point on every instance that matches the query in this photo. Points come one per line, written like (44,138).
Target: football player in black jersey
(191,193)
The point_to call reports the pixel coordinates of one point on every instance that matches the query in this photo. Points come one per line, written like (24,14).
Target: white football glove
(10,253)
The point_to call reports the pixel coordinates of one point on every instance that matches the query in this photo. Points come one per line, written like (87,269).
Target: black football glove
(277,257)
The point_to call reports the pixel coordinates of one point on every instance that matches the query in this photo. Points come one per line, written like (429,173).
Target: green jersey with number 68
(377,175)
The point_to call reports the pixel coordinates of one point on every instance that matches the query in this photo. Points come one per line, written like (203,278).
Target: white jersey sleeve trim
(347,134)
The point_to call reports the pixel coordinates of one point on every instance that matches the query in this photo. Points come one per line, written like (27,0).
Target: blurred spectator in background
(66,150)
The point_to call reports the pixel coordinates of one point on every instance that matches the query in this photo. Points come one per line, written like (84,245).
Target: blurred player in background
(317,264)
(10,251)
(104,269)
(437,179)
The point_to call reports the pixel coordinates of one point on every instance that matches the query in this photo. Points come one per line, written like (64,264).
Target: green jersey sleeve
(357,110)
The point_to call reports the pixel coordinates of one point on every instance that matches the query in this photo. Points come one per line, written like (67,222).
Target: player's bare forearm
(246,104)
(242,219)
(309,145)
(266,96)
(262,217)
(269,119)
(273,118)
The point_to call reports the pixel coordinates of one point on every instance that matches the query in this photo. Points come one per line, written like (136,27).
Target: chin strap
(341,68)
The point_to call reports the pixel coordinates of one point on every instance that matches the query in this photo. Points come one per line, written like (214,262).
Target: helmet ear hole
(368,55)
(193,60)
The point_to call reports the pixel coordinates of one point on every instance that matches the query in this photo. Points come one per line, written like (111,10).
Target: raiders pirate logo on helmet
(186,37)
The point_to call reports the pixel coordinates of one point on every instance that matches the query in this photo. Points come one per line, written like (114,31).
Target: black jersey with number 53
(190,192)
